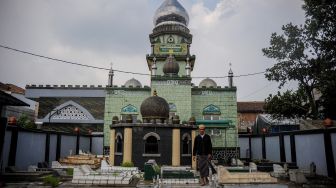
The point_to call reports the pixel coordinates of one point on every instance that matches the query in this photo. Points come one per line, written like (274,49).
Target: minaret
(230,76)
(154,67)
(110,77)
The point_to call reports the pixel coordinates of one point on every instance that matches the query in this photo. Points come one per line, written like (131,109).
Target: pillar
(112,146)
(127,155)
(176,156)
(193,135)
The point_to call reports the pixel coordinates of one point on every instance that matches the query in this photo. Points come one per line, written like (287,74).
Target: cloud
(103,31)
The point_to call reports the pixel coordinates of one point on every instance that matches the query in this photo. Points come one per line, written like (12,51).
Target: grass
(51,180)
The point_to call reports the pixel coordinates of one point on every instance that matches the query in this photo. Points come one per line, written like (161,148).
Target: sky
(101,32)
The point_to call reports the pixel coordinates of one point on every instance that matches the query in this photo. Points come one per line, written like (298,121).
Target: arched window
(129,110)
(151,145)
(172,110)
(186,144)
(119,143)
(211,112)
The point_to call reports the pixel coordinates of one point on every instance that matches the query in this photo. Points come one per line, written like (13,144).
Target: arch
(151,145)
(129,109)
(211,110)
(119,134)
(186,135)
(119,143)
(69,111)
(151,134)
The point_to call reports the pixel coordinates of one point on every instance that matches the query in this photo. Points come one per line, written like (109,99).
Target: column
(193,135)
(127,155)
(176,148)
(112,146)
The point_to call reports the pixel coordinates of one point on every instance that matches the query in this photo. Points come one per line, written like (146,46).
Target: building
(170,64)
(247,114)
(64,108)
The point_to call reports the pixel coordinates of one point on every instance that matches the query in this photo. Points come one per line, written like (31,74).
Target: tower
(110,77)
(170,61)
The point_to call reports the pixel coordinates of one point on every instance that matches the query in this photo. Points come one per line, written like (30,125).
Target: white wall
(288,148)
(68,143)
(310,148)
(256,148)
(244,146)
(30,149)
(272,148)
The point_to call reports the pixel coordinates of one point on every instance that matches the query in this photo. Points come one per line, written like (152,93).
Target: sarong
(203,165)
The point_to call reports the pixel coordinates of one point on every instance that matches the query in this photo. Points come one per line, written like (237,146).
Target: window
(151,145)
(124,117)
(119,144)
(211,117)
(185,146)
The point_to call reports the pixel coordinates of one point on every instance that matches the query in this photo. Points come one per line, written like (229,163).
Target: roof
(252,107)
(8,100)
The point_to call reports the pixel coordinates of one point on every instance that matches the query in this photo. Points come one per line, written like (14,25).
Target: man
(203,150)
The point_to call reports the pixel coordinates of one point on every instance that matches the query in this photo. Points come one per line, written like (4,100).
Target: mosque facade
(170,64)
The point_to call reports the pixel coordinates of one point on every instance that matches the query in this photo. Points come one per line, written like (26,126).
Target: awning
(216,123)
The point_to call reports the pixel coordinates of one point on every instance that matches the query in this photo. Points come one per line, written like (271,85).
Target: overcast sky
(98,32)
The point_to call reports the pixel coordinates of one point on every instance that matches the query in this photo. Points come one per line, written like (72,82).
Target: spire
(110,77)
(230,77)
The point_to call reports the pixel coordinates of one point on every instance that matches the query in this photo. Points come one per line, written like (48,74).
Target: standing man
(203,150)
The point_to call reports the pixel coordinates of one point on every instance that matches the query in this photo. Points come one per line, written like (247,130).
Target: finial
(154,92)
(154,59)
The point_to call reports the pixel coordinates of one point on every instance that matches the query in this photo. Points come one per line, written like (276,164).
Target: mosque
(162,126)
(149,122)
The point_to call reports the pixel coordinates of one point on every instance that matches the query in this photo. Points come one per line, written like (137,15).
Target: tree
(25,122)
(306,54)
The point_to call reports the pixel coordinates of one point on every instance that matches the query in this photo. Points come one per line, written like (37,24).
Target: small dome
(133,82)
(154,107)
(208,83)
(171,11)
(171,67)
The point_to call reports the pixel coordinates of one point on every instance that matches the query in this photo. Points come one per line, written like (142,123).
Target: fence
(23,147)
(300,147)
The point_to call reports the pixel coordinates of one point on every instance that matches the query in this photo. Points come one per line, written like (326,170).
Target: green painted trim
(159,78)
(216,123)
(213,89)
(146,88)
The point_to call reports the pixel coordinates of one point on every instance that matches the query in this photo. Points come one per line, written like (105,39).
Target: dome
(133,83)
(208,83)
(171,11)
(171,67)
(154,107)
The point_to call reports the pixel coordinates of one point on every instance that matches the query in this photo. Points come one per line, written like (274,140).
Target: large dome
(171,11)
(133,83)
(154,107)
(171,67)
(208,83)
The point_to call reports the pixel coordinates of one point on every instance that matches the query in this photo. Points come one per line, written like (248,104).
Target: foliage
(25,122)
(51,180)
(157,169)
(306,54)
(279,105)
(69,171)
(127,164)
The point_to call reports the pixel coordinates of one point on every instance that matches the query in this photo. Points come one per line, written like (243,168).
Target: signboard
(171,48)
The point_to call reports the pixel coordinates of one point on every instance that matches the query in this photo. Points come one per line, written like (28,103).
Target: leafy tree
(305,54)
(26,122)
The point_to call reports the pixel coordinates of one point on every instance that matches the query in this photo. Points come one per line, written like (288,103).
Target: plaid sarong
(203,165)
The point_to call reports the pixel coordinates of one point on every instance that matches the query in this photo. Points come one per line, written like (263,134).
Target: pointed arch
(70,112)
(129,109)
(211,110)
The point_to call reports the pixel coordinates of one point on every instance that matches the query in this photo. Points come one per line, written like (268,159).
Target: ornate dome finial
(171,67)
(171,11)
(154,92)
